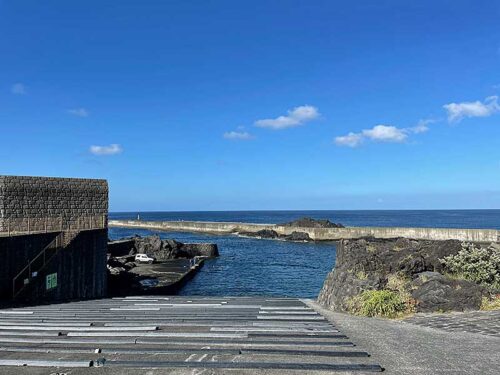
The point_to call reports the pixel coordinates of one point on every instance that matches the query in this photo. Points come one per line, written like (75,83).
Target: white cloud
(238,135)
(458,111)
(349,140)
(18,89)
(382,133)
(421,127)
(295,117)
(79,112)
(112,149)
(385,133)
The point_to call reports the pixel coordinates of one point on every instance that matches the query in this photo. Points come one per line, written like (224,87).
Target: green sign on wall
(51,281)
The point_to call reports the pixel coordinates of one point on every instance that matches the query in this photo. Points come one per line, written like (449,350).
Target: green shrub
(361,275)
(492,303)
(398,282)
(384,303)
(480,265)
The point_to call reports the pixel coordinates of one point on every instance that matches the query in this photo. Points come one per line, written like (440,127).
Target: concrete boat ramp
(174,334)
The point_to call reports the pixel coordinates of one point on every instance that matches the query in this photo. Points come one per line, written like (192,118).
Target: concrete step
(177,342)
(256,366)
(28,323)
(255,360)
(173,333)
(60,328)
(44,363)
(184,350)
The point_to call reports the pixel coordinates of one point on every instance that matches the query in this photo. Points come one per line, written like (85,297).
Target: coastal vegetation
(478,264)
(394,301)
(396,277)
(491,303)
(383,303)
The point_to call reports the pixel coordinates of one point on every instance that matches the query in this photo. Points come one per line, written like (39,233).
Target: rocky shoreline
(308,222)
(296,236)
(270,234)
(410,275)
(175,263)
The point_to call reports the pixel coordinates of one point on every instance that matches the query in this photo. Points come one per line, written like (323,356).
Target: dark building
(53,238)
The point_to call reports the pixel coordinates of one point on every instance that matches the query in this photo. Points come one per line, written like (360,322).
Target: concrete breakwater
(317,234)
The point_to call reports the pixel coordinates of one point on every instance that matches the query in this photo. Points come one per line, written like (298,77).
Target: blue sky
(224,105)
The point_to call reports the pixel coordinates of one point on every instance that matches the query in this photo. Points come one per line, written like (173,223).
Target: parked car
(143,258)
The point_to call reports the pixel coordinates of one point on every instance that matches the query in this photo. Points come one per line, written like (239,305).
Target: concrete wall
(29,204)
(319,234)
(36,210)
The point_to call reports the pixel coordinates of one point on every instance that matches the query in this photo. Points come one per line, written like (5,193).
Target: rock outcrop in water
(307,222)
(273,235)
(264,233)
(125,276)
(369,264)
(297,236)
(159,249)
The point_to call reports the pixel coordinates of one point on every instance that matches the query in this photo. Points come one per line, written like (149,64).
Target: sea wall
(318,234)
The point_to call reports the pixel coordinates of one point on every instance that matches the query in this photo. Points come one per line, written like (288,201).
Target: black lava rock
(264,233)
(435,292)
(298,236)
(367,264)
(307,222)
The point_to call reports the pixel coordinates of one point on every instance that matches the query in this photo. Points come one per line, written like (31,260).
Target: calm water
(276,268)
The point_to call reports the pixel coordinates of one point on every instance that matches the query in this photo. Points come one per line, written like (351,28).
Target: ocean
(249,266)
